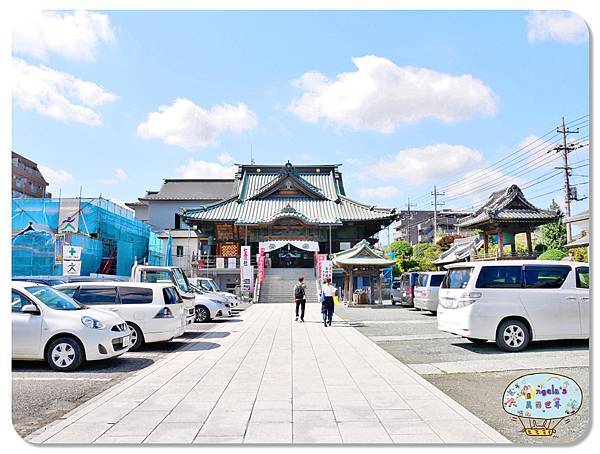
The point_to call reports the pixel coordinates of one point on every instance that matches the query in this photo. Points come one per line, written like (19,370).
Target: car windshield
(208,285)
(457,278)
(54,299)
(181,280)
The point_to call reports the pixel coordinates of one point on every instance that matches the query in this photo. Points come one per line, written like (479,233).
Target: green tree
(425,254)
(580,254)
(554,234)
(446,241)
(401,249)
(553,254)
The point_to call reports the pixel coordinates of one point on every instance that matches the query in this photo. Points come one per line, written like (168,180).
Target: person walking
(328,291)
(300,298)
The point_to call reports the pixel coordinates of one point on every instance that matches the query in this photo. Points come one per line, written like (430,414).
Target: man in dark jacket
(300,298)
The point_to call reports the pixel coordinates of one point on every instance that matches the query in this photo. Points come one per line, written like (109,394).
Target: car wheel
(137,337)
(513,336)
(477,341)
(65,354)
(202,314)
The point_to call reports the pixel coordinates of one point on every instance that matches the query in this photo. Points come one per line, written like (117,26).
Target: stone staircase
(278,286)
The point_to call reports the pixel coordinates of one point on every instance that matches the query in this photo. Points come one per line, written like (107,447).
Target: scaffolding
(111,238)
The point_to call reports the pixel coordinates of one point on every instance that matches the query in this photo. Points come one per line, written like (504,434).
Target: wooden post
(351,285)
(513,245)
(529,245)
(486,244)
(379,279)
(371,297)
(500,247)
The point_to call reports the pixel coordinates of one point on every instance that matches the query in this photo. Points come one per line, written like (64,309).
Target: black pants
(300,304)
(327,309)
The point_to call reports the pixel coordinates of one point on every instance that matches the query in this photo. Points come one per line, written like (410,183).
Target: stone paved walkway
(268,379)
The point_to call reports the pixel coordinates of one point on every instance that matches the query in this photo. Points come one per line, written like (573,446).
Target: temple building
(505,214)
(291,211)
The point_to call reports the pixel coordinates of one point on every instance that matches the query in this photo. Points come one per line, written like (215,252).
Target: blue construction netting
(33,254)
(155,250)
(107,233)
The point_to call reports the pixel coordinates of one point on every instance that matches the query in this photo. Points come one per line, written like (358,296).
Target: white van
(513,302)
(426,290)
(154,312)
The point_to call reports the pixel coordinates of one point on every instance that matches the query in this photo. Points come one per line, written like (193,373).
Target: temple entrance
(290,256)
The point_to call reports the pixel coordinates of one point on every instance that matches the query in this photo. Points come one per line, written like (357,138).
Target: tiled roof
(460,250)
(509,206)
(314,211)
(362,254)
(323,203)
(191,189)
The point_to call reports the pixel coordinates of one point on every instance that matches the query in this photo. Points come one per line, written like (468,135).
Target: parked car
(208,285)
(395,292)
(406,289)
(513,302)
(46,280)
(47,324)
(427,289)
(199,307)
(153,312)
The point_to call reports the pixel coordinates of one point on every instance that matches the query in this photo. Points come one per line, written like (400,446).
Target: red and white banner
(261,268)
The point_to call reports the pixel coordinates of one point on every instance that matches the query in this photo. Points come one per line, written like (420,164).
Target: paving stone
(174,433)
(78,433)
(137,423)
(269,432)
(311,401)
(363,432)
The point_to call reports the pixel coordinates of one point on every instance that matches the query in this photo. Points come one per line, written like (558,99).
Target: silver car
(427,290)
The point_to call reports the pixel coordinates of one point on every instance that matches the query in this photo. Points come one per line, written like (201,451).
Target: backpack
(299,292)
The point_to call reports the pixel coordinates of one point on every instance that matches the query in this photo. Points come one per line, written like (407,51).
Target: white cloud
(190,126)
(225,158)
(380,96)
(423,164)
(206,169)
(55,177)
(118,177)
(380,192)
(537,149)
(73,35)
(353,161)
(56,94)
(482,182)
(561,26)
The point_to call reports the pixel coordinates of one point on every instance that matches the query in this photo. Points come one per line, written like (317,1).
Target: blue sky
(437,96)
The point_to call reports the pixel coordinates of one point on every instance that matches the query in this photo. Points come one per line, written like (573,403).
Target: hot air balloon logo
(541,401)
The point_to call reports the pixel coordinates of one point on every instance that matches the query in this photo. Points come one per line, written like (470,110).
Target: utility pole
(408,206)
(565,150)
(435,204)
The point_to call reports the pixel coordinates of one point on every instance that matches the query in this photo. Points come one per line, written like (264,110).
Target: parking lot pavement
(41,395)
(473,375)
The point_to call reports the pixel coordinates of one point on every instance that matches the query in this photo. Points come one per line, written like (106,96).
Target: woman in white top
(328,291)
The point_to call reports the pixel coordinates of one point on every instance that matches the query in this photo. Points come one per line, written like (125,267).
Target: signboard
(71,252)
(247,278)
(344,245)
(231,262)
(68,216)
(326,269)
(261,268)
(245,256)
(71,267)
(58,248)
(320,259)
(220,262)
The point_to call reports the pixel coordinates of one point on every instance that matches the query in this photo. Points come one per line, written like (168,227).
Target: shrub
(552,254)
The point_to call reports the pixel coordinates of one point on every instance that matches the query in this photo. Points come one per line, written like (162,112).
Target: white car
(153,312)
(513,302)
(207,284)
(200,307)
(427,290)
(47,324)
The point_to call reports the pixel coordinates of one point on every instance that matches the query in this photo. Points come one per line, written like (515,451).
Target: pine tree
(554,234)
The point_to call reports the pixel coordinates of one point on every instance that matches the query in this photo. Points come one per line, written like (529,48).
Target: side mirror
(30,309)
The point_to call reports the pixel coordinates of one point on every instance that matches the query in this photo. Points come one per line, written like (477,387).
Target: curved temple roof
(313,194)
(361,254)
